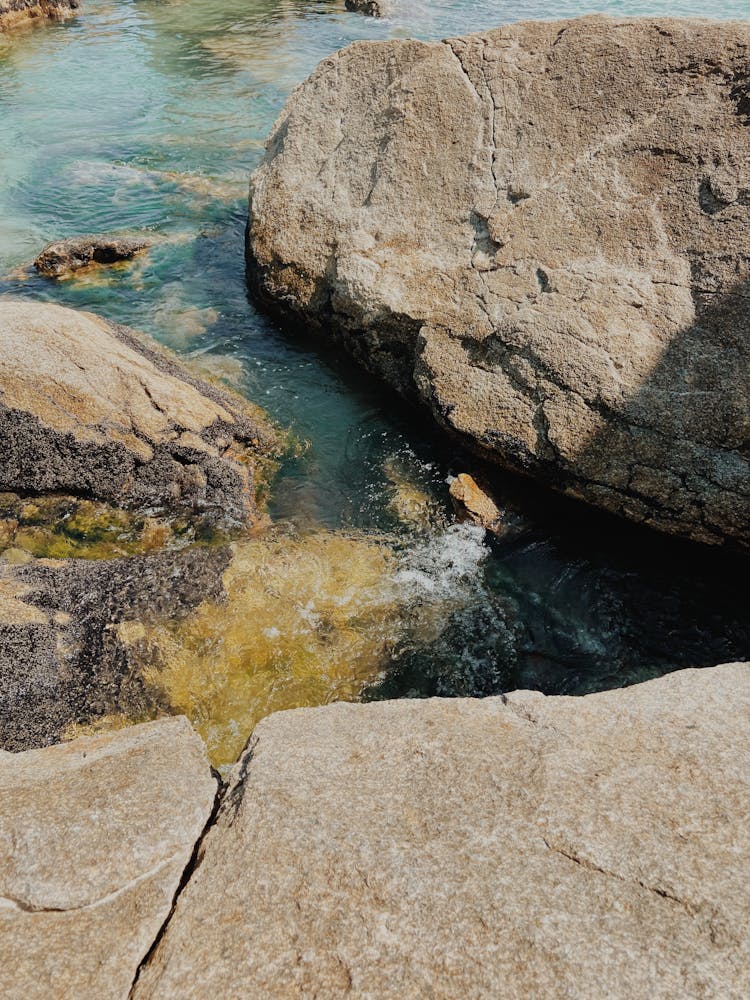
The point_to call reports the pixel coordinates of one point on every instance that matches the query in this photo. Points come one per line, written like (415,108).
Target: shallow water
(147,114)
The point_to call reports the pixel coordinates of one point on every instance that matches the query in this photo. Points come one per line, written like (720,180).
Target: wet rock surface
(17,12)
(514,846)
(64,257)
(89,408)
(95,837)
(566,286)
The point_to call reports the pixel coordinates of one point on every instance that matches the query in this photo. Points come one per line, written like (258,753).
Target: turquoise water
(145,114)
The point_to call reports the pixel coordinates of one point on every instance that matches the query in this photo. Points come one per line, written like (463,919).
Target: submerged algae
(306,620)
(65,527)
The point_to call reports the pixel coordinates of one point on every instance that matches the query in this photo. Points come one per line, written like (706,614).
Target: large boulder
(95,837)
(541,233)
(513,847)
(16,12)
(89,408)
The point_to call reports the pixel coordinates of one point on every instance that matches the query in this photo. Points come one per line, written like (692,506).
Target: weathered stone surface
(94,838)
(62,657)
(513,847)
(16,12)
(66,256)
(373,8)
(543,234)
(474,502)
(88,408)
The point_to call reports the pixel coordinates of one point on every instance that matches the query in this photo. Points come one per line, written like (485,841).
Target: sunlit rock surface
(513,847)
(94,838)
(17,12)
(541,233)
(90,409)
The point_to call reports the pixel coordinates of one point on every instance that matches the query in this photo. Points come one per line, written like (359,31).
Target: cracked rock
(541,234)
(94,838)
(519,846)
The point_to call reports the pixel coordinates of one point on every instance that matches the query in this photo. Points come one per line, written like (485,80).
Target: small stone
(475,503)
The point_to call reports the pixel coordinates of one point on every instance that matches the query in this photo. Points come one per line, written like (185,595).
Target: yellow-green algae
(64,527)
(306,621)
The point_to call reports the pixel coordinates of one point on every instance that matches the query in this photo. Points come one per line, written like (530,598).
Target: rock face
(15,12)
(88,408)
(518,846)
(542,234)
(95,837)
(67,256)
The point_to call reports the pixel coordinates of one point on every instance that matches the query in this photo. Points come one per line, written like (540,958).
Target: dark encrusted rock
(62,660)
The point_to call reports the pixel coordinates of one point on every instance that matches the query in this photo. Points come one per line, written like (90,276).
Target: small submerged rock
(475,503)
(94,839)
(373,8)
(64,257)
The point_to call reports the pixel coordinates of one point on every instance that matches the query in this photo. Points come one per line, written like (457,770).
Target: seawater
(151,114)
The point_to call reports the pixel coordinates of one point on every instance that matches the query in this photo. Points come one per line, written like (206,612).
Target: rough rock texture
(475,503)
(66,256)
(62,658)
(543,234)
(88,408)
(513,847)
(374,8)
(15,12)
(94,838)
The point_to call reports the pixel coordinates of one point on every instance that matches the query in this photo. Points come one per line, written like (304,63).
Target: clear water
(147,114)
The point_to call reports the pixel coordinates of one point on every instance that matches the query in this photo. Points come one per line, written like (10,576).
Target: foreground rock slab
(91,409)
(95,836)
(17,12)
(542,234)
(64,257)
(513,847)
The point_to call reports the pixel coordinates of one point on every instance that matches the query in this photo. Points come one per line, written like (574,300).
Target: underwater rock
(373,8)
(91,409)
(508,847)
(474,502)
(553,257)
(66,256)
(17,12)
(95,838)
(63,661)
